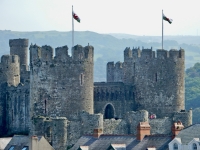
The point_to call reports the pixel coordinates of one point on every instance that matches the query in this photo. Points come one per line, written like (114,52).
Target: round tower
(10,70)
(19,47)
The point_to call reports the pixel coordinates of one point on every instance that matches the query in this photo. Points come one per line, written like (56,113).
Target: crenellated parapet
(47,53)
(35,53)
(136,53)
(81,53)
(115,72)
(62,53)
(147,53)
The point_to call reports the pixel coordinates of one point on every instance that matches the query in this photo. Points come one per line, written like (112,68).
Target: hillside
(107,47)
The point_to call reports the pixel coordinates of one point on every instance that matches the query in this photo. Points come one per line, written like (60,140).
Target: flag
(75,16)
(167,19)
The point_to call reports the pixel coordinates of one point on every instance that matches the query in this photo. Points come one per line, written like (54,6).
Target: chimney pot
(97,132)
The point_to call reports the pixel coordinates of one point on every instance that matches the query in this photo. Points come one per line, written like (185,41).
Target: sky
(136,17)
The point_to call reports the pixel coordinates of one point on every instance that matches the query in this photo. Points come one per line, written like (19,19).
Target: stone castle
(55,96)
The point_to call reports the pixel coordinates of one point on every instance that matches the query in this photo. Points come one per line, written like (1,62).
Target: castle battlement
(7,59)
(146,53)
(45,53)
(62,53)
(116,65)
(18,42)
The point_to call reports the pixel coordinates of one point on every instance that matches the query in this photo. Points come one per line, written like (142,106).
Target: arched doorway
(109,112)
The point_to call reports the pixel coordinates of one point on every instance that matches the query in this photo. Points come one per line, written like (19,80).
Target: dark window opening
(156,77)
(12,114)
(133,96)
(45,106)
(175,146)
(194,146)
(109,112)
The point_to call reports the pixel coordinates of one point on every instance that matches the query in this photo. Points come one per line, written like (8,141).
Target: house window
(25,148)
(194,146)
(175,146)
(11,148)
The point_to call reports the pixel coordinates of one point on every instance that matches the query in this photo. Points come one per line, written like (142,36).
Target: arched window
(109,112)
(175,146)
(156,77)
(194,146)
(45,106)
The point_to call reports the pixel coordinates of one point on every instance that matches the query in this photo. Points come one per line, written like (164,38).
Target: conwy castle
(55,96)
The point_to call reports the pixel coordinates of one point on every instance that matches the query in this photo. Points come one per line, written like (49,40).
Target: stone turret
(20,47)
(10,70)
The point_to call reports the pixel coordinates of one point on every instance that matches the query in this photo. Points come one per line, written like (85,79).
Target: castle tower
(159,82)
(64,84)
(20,47)
(10,70)
(9,76)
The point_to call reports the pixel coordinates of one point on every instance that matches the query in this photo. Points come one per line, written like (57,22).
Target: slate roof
(4,142)
(18,141)
(104,141)
(189,133)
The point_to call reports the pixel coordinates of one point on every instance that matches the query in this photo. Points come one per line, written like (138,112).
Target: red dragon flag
(167,19)
(75,16)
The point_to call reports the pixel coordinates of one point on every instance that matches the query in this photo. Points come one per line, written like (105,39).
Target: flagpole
(162,29)
(72,29)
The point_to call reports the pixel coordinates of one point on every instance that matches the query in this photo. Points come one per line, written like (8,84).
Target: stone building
(55,97)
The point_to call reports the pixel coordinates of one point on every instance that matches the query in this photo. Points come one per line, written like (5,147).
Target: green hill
(107,47)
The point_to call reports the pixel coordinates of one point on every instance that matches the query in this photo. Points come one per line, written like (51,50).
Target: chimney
(97,132)
(143,129)
(176,128)
(33,143)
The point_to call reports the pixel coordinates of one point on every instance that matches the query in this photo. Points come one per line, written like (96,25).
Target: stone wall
(116,94)
(133,118)
(161,125)
(62,133)
(53,129)
(184,116)
(113,126)
(17,115)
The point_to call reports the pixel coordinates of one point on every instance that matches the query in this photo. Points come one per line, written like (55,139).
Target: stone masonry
(54,96)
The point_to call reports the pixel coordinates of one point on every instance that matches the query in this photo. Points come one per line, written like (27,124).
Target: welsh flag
(75,16)
(167,19)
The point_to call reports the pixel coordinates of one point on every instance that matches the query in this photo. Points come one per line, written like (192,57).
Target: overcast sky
(138,17)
